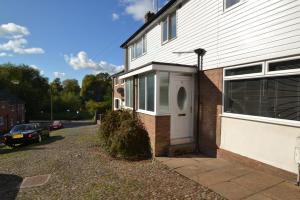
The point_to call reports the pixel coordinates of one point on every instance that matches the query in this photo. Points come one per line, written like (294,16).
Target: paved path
(232,180)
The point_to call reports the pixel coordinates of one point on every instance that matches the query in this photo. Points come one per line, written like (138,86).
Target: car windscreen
(20,128)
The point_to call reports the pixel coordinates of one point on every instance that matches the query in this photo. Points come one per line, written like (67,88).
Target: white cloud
(3,54)
(12,30)
(18,46)
(82,61)
(16,43)
(138,8)
(37,68)
(115,17)
(59,74)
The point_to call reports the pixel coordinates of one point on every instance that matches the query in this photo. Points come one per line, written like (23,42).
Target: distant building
(12,111)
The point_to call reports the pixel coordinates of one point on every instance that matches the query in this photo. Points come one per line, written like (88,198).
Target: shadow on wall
(9,186)
(211,83)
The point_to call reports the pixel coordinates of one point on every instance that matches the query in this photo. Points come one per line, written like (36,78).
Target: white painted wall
(251,31)
(268,143)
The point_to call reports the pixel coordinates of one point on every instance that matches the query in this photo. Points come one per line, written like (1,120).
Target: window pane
(275,97)
(150,92)
(172,26)
(230,3)
(144,44)
(243,96)
(165,30)
(243,70)
(139,48)
(164,91)
(284,65)
(142,93)
(128,92)
(132,52)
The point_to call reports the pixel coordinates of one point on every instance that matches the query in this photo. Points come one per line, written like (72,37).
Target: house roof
(158,14)
(6,96)
(117,74)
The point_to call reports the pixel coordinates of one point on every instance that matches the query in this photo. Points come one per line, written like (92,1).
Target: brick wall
(11,114)
(158,128)
(211,84)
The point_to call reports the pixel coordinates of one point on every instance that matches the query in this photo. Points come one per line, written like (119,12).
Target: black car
(25,133)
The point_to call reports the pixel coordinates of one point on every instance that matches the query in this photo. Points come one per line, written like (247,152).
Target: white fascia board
(172,68)
(139,71)
(158,67)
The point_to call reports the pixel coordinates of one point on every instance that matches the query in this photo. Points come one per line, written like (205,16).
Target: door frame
(173,76)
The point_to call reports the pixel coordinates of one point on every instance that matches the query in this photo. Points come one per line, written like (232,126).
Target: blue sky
(67,38)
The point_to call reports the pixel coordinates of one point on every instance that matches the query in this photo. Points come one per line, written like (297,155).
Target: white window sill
(152,113)
(283,122)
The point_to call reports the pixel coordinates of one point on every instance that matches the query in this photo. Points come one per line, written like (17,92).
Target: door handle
(181,115)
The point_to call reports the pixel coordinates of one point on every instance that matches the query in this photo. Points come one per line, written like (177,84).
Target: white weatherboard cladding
(272,144)
(251,31)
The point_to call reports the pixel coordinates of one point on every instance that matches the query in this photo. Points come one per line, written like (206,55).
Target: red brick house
(12,111)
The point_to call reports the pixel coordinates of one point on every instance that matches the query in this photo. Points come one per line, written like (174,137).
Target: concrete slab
(285,190)
(35,181)
(179,162)
(231,190)
(258,197)
(257,181)
(222,175)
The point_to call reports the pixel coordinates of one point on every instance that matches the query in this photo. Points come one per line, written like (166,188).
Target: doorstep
(230,179)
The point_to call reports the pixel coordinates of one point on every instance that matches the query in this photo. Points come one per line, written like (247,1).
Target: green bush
(123,135)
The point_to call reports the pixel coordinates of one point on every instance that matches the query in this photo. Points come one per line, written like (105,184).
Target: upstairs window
(169,28)
(229,3)
(139,48)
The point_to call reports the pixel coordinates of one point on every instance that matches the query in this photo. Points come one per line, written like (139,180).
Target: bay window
(267,95)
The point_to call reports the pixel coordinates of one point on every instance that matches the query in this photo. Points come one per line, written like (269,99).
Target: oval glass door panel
(181,98)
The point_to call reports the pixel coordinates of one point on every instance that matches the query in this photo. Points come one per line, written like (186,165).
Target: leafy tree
(71,85)
(56,86)
(27,84)
(96,87)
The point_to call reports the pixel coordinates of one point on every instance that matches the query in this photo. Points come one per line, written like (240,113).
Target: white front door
(181,110)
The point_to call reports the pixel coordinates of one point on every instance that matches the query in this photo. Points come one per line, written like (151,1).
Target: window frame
(143,40)
(168,20)
(154,112)
(125,93)
(265,74)
(119,101)
(233,6)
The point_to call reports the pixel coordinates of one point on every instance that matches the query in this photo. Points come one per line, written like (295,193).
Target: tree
(56,86)
(96,87)
(27,84)
(71,86)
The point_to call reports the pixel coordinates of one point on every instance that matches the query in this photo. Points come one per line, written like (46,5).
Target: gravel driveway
(81,170)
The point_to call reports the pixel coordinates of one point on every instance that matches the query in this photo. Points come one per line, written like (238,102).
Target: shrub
(123,135)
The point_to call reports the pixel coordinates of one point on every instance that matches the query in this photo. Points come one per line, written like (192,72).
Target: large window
(129,93)
(139,48)
(169,28)
(276,96)
(229,3)
(147,92)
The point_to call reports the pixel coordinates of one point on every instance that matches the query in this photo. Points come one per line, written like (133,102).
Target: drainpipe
(200,53)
